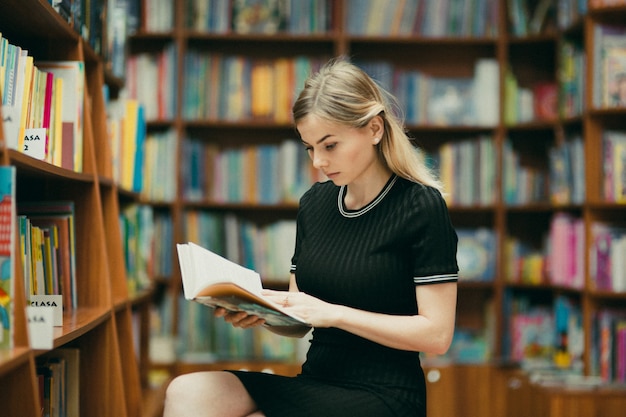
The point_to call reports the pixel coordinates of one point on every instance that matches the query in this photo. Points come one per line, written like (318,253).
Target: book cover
(215,281)
(614,85)
(476,254)
(258,16)
(451,101)
(7,255)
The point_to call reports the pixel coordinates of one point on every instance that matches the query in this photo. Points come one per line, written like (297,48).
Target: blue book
(7,255)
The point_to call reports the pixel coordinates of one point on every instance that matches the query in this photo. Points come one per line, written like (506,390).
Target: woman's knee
(220,392)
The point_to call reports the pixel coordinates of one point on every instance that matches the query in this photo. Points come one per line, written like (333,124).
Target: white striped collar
(356,213)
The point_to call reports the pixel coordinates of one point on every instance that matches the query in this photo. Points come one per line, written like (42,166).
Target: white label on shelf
(40,327)
(55,302)
(35,143)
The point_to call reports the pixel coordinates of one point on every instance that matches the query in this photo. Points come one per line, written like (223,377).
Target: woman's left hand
(314,311)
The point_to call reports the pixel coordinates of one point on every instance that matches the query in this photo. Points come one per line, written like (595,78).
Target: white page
(202,267)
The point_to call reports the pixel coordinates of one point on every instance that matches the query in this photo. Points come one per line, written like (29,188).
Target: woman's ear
(377,127)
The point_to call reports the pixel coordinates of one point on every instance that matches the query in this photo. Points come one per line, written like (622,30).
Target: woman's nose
(319,162)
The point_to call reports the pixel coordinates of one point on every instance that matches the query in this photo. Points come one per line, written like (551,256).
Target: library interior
(133,127)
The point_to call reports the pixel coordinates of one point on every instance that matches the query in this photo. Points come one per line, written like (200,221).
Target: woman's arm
(429,331)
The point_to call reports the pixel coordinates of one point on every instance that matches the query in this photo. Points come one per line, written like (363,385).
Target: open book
(215,281)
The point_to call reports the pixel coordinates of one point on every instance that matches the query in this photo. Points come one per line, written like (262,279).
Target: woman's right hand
(239,318)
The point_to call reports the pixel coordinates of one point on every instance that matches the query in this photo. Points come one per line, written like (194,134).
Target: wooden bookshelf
(100,327)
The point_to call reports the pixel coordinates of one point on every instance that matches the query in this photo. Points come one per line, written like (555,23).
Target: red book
(546,101)
(47,108)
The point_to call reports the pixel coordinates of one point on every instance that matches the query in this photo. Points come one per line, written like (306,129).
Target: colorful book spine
(7,256)
(48,244)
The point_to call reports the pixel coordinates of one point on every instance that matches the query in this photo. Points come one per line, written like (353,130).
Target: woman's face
(344,154)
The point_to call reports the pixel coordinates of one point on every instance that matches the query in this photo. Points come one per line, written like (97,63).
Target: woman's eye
(330,146)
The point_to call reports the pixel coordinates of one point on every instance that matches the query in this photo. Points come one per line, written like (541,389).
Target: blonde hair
(341,92)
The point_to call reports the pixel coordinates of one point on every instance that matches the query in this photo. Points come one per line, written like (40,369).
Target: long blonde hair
(341,92)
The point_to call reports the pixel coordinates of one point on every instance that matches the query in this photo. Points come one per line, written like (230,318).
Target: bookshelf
(544,89)
(99,327)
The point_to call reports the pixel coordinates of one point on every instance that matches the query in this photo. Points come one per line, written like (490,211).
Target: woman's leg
(208,394)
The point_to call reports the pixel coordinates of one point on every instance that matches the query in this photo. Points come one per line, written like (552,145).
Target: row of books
(126,127)
(137,232)
(58,376)
(159,166)
(609,66)
(48,250)
(571,79)
(558,259)
(561,181)
(85,17)
(266,249)
(421,17)
(467,169)
(614,162)
(442,101)
(265,17)
(531,17)
(221,87)
(570,11)
(608,347)
(147,244)
(261,174)
(606,257)
(567,171)
(527,104)
(42,106)
(154,15)
(537,332)
(146,70)
(233,87)
(522,184)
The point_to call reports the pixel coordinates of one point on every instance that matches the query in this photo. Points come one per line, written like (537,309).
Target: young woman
(374,270)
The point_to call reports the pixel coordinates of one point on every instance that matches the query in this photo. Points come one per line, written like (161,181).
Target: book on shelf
(48,247)
(213,280)
(258,16)
(614,162)
(7,255)
(606,257)
(72,111)
(58,374)
(476,254)
(609,66)
(17,68)
(608,345)
(451,101)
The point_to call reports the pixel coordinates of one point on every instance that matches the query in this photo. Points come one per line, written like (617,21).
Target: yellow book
(129,143)
(26,94)
(262,81)
(284,85)
(619,165)
(57,122)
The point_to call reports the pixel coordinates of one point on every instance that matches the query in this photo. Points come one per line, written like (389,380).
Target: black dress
(370,259)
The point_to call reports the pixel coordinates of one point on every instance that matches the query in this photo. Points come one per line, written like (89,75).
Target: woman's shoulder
(414,191)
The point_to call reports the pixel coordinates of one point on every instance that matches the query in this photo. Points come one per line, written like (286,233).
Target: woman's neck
(361,192)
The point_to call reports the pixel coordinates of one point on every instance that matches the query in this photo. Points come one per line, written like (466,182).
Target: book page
(200,268)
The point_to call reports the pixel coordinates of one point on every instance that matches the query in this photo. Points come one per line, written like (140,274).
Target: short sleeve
(435,241)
